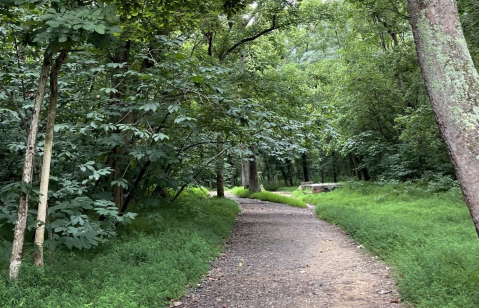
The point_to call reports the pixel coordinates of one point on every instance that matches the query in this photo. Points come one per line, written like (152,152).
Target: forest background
(146,98)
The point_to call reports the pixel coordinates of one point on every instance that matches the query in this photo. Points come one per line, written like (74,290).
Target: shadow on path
(281,256)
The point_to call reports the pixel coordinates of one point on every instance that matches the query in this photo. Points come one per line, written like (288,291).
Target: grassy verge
(428,238)
(289,189)
(166,249)
(267,196)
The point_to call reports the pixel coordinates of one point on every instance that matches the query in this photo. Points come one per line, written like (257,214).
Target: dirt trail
(281,256)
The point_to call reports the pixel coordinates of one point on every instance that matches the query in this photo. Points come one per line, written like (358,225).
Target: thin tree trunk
(220,183)
(290,173)
(196,174)
(359,171)
(335,176)
(131,191)
(270,178)
(244,171)
(21,223)
(285,177)
(305,167)
(366,175)
(352,166)
(253,174)
(47,157)
(117,161)
(452,85)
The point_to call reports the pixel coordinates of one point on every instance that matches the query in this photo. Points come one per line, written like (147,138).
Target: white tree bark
(47,157)
(21,223)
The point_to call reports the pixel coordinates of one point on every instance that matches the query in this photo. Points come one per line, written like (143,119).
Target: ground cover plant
(427,237)
(267,196)
(287,189)
(167,248)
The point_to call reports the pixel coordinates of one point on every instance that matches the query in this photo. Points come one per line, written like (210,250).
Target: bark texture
(244,171)
(452,85)
(253,175)
(21,223)
(220,182)
(47,157)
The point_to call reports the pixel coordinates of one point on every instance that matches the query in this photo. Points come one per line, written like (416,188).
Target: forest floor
(282,256)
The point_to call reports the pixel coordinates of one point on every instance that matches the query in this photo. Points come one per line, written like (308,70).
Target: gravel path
(281,256)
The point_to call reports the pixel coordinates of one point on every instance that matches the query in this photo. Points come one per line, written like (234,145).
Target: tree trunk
(220,183)
(47,157)
(268,166)
(335,176)
(244,171)
(305,167)
(21,223)
(366,175)
(452,85)
(360,170)
(352,165)
(290,173)
(285,177)
(253,174)
(117,160)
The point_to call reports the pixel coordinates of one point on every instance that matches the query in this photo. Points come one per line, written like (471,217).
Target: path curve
(281,256)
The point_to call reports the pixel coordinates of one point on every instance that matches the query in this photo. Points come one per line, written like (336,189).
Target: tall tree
(21,223)
(452,85)
(47,157)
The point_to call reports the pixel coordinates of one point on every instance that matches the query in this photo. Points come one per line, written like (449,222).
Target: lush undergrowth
(165,249)
(290,189)
(267,196)
(428,238)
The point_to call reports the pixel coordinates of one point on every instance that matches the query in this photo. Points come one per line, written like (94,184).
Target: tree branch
(196,174)
(252,38)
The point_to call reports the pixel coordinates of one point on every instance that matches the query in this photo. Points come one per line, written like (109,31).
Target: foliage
(289,189)
(427,237)
(267,196)
(240,192)
(152,261)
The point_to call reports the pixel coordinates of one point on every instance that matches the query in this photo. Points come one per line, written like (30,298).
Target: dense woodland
(134,101)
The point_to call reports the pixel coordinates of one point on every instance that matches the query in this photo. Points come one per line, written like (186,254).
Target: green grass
(428,238)
(267,196)
(165,249)
(290,189)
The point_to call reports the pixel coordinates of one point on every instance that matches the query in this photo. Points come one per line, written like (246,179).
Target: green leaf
(100,29)
(160,136)
(153,106)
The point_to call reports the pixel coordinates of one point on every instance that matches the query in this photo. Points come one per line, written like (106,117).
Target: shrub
(151,262)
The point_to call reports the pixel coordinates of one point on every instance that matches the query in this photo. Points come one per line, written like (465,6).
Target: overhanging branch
(252,38)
